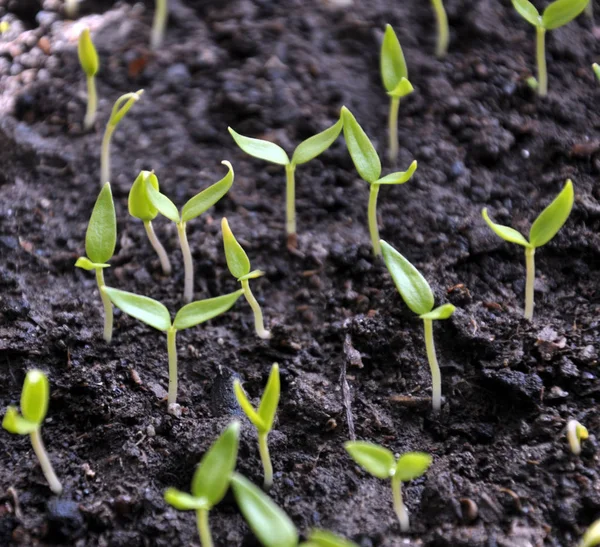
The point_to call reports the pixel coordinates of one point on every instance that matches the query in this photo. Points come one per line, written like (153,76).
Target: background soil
(502,472)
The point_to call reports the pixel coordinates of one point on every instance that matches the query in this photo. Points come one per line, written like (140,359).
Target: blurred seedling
(71,8)
(161,12)
(591,538)
(575,434)
(88,58)
(596,69)
(443,32)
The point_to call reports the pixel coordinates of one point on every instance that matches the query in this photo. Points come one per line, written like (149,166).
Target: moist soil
(502,473)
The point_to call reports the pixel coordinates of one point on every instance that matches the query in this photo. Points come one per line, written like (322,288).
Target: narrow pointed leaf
(13,422)
(323,538)
(561,12)
(252,275)
(246,405)
(412,465)
(317,144)
(207,198)
(145,309)
(528,11)
(88,57)
(122,105)
(202,310)
(86,264)
(237,259)
(441,312)
(101,235)
(138,202)
(270,399)
(375,459)
(164,205)
(392,62)
(35,396)
(505,232)
(403,89)
(361,149)
(183,501)
(263,150)
(400,177)
(553,217)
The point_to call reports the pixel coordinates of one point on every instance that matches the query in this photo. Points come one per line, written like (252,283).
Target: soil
(502,473)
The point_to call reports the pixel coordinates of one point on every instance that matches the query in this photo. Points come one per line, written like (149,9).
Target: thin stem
(541,61)
(71,8)
(265,458)
(372,214)
(172,352)
(42,456)
(159,24)
(290,205)
(258,316)
(442,28)
(108,310)
(393,129)
(157,245)
(92,103)
(436,378)
(105,154)
(188,264)
(589,9)
(203,528)
(399,507)
(529,285)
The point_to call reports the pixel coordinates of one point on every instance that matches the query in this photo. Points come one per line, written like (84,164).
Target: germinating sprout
(34,406)
(368,165)
(545,227)
(381,463)
(591,538)
(575,434)
(122,105)
(596,69)
(88,58)
(159,24)
(155,314)
(239,266)
(210,482)
(417,295)
(71,8)
(305,151)
(443,32)
(262,418)
(100,243)
(555,15)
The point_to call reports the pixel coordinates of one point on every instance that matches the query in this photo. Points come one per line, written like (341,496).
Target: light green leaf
(207,198)
(270,399)
(164,205)
(528,11)
(247,407)
(403,89)
(252,275)
(375,459)
(317,144)
(441,312)
(237,259)
(263,150)
(88,57)
(147,310)
(400,177)
(591,538)
(184,502)
(122,105)
(35,396)
(323,538)
(561,12)
(412,465)
(86,264)
(553,217)
(412,286)
(392,62)
(505,232)
(361,150)
(270,524)
(202,310)
(138,202)
(211,479)
(13,422)
(101,234)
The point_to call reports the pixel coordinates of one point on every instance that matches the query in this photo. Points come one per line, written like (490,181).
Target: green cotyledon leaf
(139,203)
(528,11)
(237,259)
(412,465)
(363,153)
(145,309)
(207,198)
(317,144)
(553,217)
(261,149)
(392,62)
(202,310)
(505,232)
(375,459)
(561,12)
(101,234)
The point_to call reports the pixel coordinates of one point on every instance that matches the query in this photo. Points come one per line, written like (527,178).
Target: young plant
(443,32)
(159,24)
(141,207)
(306,151)
(596,69)
(122,105)
(34,406)
(545,227)
(239,266)
(394,74)
(155,314)
(417,295)
(262,418)
(575,434)
(591,538)
(210,482)
(381,463)
(197,205)
(555,15)
(100,243)
(88,58)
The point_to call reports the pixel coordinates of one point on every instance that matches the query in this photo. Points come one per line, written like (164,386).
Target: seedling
(210,482)
(122,105)
(596,69)
(394,74)
(417,295)
(71,8)
(239,266)
(381,463)
(575,434)
(141,207)
(555,15)
(197,205)
(368,165)
(34,406)
(305,151)
(545,227)
(592,536)
(155,314)
(443,37)
(159,24)
(262,418)
(88,58)
(100,243)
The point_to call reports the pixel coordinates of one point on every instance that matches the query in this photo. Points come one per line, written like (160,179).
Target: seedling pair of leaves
(88,58)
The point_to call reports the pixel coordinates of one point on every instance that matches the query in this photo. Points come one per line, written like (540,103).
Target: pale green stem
(436,379)
(157,245)
(203,528)
(105,154)
(399,507)
(188,265)
(92,103)
(71,8)
(530,282)
(589,9)
(108,310)
(393,129)
(290,202)
(541,62)
(172,352)
(263,448)
(258,316)
(442,26)
(47,469)
(372,215)
(159,24)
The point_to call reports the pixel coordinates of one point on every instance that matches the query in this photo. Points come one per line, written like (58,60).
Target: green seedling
(4,27)
(545,227)
(34,406)
(141,207)
(262,418)
(159,24)
(575,434)
(596,69)
(555,15)
(269,523)
(443,31)
(88,59)
(155,314)
(122,105)
(197,205)
(305,151)
(417,295)
(591,538)
(210,482)
(394,74)
(100,243)
(381,463)
(239,266)
(368,165)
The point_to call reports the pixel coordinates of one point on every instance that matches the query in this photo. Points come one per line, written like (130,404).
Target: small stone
(178,76)
(150,431)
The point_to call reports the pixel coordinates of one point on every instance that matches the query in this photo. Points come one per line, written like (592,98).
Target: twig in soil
(161,13)
(411,402)
(88,58)
(16,505)
(351,356)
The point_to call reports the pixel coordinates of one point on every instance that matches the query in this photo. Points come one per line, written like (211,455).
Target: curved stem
(172,353)
(436,378)
(290,205)
(159,24)
(393,129)
(105,155)
(372,214)
(47,469)
(530,282)
(541,61)
(108,310)
(157,245)
(265,458)
(442,27)
(258,316)
(399,507)
(203,528)
(92,103)
(188,265)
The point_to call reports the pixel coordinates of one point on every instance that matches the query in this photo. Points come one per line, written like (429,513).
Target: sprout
(155,314)
(100,243)
(555,15)
(210,482)
(305,151)
(596,69)
(442,27)
(88,58)
(381,463)
(71,8)
(159,23)
(395,80)
(545,227)
(122,105)
(34,406)
(197,205)
(591,537)
(417,295)
(368,165)
(141,207)
(262,418)
(239,266)
(575,434)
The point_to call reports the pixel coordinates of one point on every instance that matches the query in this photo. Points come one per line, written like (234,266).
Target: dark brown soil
(502,472)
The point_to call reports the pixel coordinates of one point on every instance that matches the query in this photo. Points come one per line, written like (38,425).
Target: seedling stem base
(92,104)
(108,310)
(157,246)
(47,469)
(436,379)
(530,282)
(393,129)
(265,458)
(372,214)
(290,202)
(399,506)
(258,316)
(203,528)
